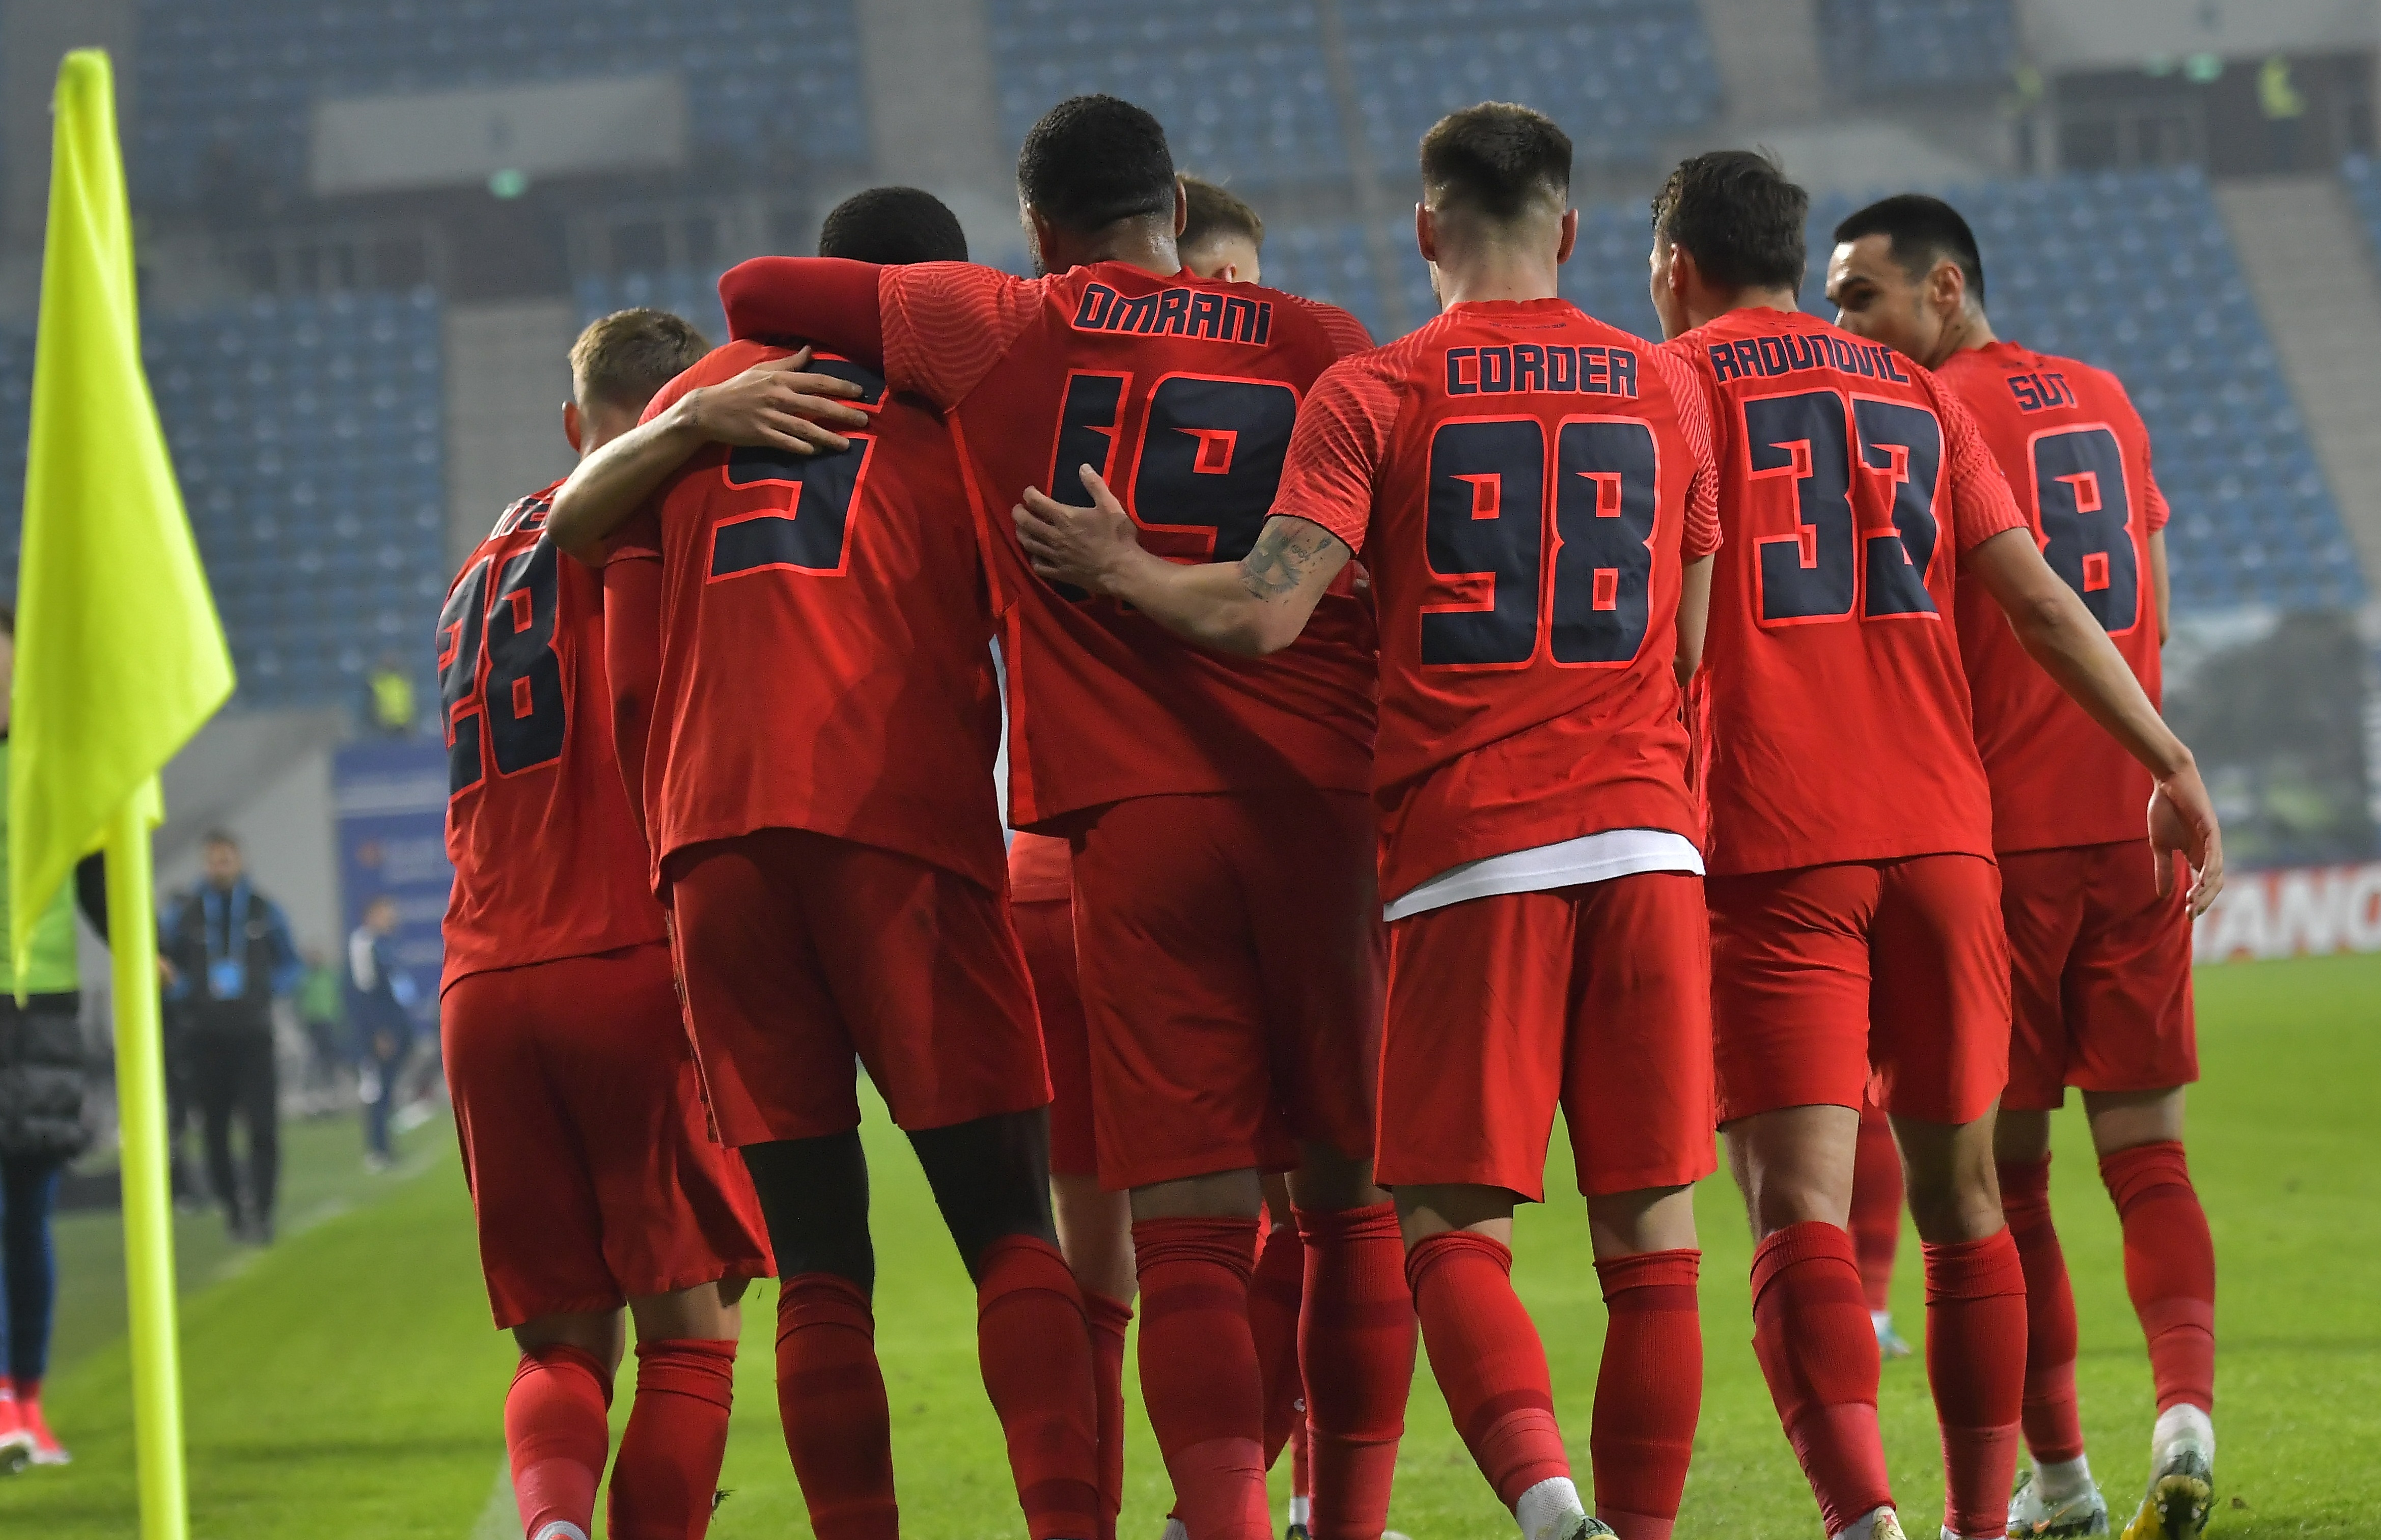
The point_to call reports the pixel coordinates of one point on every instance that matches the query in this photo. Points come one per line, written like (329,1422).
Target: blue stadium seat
(292,476)
(225,87)
(1899,47)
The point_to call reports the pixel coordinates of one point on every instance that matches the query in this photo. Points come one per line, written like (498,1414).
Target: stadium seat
(1883,47)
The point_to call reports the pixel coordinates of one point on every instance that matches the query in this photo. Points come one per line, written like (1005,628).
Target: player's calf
(1357,1334)
(557,1436)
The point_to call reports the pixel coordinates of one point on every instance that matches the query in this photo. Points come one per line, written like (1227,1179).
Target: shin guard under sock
(1648,1392)
(1109,1320)
(1199,1375)
(1975,1363)
(2054,1430)
(1356,1345)
(557,1436)
(2169,1268)
(1488,1360)
(1035,1345)
(1274,1291)
(1818,1348)
(831,1399)
(667,1471)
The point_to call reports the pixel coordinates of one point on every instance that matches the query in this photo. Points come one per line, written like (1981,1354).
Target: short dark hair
(1214,212)
(1920,231)
(621,359)
(1093,160)
(1494,158)
(893,225)
(1736,213)
(219,836)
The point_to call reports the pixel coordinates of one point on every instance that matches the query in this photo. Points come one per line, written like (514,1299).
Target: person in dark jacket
(378,994)
(42,1076)
(229,952)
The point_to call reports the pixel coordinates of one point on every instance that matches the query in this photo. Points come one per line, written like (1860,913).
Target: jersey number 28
(497,672)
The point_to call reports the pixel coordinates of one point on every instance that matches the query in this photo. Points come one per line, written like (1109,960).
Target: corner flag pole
(148,1202)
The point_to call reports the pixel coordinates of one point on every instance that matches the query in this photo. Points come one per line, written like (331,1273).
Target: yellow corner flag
(119,660)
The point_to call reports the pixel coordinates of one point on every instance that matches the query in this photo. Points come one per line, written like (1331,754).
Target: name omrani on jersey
(1836,711)
(825,658)
(1182,392)
(2078,458)
(1525,484)
(548,860)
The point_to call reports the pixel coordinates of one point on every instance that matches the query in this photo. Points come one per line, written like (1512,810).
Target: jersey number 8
(517,699)
(1577,576)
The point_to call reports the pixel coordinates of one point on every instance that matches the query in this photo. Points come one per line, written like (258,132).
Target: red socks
(669,1468)
(2053,1430)
(1108,1320)
(1811,1331)
(557,1435)
(1975,1361)
(1034,1345)
(831,1399)
(1199,1373)
(1356,1343)
(2169,1268)
(1876,1206)
(1648,1392)
(1274,1291)
(1488,1360)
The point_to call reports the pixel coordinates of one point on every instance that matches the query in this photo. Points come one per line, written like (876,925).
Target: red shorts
(1046,929)
(2100,973)
(585,1141)
(1823,974)
(800,951)
(1596,997)
(1231,958)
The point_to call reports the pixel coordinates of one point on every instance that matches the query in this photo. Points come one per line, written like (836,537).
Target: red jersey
(548,860)
(1524,483)
(1041,869)
(2078,458)
(1182,392)
(1851,485)
(826,640)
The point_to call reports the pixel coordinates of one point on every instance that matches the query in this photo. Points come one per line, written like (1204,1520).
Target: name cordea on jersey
(1191,313)
(1526,367)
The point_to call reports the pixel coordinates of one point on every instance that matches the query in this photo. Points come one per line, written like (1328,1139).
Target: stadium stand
(225,86)
(308,439)
(1328,261)
(1886,47)
(690,293)
(1241,85)
(2363,177)
(1618,74)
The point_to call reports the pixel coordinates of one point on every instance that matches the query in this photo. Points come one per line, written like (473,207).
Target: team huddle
(1403,743)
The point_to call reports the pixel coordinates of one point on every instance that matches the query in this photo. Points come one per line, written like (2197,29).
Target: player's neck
(1742,300)
(1488,278)
(1970,329)
(1141,244)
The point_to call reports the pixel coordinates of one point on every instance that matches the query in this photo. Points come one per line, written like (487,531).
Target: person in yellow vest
(388,694)
(41,1124)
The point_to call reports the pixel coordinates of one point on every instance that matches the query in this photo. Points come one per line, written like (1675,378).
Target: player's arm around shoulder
(777,403)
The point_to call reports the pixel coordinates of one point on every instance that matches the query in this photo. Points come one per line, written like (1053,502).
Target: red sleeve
(1981,504)
(2153,500)
(1346,334)
(947,323)
(1701,537)
(1340,440)
(826,300)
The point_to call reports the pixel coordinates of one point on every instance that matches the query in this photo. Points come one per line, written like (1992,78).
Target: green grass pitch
(347,1383)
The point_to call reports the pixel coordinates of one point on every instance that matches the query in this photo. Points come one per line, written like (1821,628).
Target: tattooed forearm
(1284,553)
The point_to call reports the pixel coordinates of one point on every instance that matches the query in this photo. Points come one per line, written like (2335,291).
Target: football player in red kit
(1533,492)
(1227,936)
(592,1172)
(839,888)
(1855,905)
(2100,959)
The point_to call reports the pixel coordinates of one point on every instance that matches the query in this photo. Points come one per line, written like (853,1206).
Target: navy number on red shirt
(460,626)
(1812,575)
(498,674)
(811,532)
(524,696)
(2085,509)
(1488,526)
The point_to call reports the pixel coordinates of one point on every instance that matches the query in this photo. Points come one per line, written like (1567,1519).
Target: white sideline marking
(499,1516)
